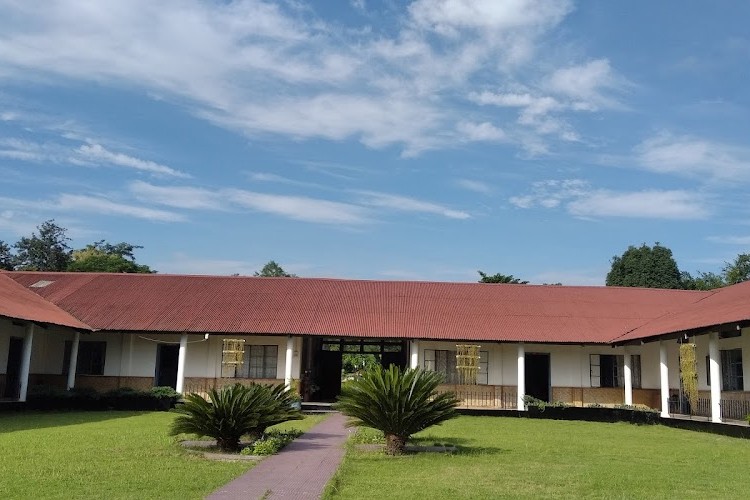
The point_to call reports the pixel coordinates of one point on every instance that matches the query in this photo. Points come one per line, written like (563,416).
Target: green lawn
(105,455)
(517,457)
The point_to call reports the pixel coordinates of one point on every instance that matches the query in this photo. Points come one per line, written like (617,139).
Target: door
(13,372)
(537,376)
(394,358)
(328,377)
(166,365)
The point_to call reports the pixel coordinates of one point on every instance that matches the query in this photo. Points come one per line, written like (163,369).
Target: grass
(106,455)
(516,458)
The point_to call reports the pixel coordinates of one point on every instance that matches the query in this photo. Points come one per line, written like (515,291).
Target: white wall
(203,357)
(569,364)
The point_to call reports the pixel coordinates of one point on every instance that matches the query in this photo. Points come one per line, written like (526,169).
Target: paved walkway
(301,470)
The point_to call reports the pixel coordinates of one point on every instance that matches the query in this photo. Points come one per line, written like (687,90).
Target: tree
(702,281)
(355,362)
(6,258)
(48,251)
(398,403)
(273,270)
(104,257)
(645,266)
(500,278)
(738,270)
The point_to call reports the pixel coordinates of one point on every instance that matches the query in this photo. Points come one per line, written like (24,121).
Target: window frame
(430,362)
(616,375)
(260,362)
(89,362)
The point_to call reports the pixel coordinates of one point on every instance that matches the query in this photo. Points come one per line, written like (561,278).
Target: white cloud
(177,196)
(730,240)
(99,205)
(476,186)
(299,207)
(405,204)
(578,198)
(481,132)
(97,153)
(696,157)
(651,204)
(291,207)
(585,85)
(449,16)
(76,203)
(270,68)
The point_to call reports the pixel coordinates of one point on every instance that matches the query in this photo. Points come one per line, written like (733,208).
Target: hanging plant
(689,373)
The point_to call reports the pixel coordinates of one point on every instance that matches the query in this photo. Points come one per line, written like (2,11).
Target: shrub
(272,442)
(398,403)
(232,412)
(280,405)
(164,392)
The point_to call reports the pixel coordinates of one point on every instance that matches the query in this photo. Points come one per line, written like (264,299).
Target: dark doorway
(394,358)
(167,357)
(328,376)
(322,362)
(537,375)
(13,372)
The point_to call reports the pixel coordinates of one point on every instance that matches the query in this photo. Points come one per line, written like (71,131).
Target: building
(578,345)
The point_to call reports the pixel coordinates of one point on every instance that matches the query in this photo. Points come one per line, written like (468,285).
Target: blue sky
(380,140)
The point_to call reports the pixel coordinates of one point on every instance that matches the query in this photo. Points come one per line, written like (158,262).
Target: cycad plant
(397,402)
(232,412)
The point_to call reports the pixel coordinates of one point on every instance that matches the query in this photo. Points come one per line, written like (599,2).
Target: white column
(628,379)
(180,386)
(414,364)
(664,379)
(26,361)
(288,363)
(73,361)
(521,378)
(715,371)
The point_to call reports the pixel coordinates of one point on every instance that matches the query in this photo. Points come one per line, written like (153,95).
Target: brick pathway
(301,470)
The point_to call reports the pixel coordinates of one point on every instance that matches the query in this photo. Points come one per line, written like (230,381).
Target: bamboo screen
(467,363)
(233,353)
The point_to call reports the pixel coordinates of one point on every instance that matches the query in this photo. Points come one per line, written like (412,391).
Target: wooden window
(91,357)
(608,370)
(260,361)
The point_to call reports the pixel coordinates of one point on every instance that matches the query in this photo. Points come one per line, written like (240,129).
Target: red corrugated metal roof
(723,305)
(16,302)
(333,307)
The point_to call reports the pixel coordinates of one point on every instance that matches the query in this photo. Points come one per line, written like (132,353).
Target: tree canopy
(6,258)
(48,249)
(655,267)
(273,270)
(104,257)
(500,278)
(645,266)
(732,273)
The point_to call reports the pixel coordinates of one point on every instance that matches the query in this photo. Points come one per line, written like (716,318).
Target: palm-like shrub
(232,412)
(279,405)
(398,403)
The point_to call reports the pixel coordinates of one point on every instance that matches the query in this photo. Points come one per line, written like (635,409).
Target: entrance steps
(314,407)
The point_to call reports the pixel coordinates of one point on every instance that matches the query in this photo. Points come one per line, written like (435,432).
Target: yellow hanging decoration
(467,363)
(689,374)
(233,353)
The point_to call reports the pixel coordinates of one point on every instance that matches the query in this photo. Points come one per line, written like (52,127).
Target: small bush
(272,442)
(164,392)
